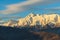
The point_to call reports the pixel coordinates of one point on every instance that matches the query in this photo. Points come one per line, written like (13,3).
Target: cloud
(1,21)
(58,8)
(22,6)
(54,8)
(14,8)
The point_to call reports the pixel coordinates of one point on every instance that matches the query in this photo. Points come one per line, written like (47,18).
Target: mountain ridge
(36,19)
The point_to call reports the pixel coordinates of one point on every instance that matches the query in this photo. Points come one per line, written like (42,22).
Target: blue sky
(22,8)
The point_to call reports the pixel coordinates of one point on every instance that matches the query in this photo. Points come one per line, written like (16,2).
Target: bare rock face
(47,36)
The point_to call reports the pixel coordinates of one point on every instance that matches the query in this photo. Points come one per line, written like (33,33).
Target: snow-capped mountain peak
(35,19)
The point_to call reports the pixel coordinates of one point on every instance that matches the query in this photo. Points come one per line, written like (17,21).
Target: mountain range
(36,19)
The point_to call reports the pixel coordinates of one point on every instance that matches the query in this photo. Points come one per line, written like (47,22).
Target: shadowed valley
(24,33)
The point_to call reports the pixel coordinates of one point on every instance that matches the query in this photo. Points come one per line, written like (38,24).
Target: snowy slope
(36,19)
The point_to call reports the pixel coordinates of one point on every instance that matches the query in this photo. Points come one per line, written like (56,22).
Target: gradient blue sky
(22,8)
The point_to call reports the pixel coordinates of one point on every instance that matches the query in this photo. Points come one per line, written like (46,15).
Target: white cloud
(1,21)
(57,7)
(19,7)
(54,8)
(14,8)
